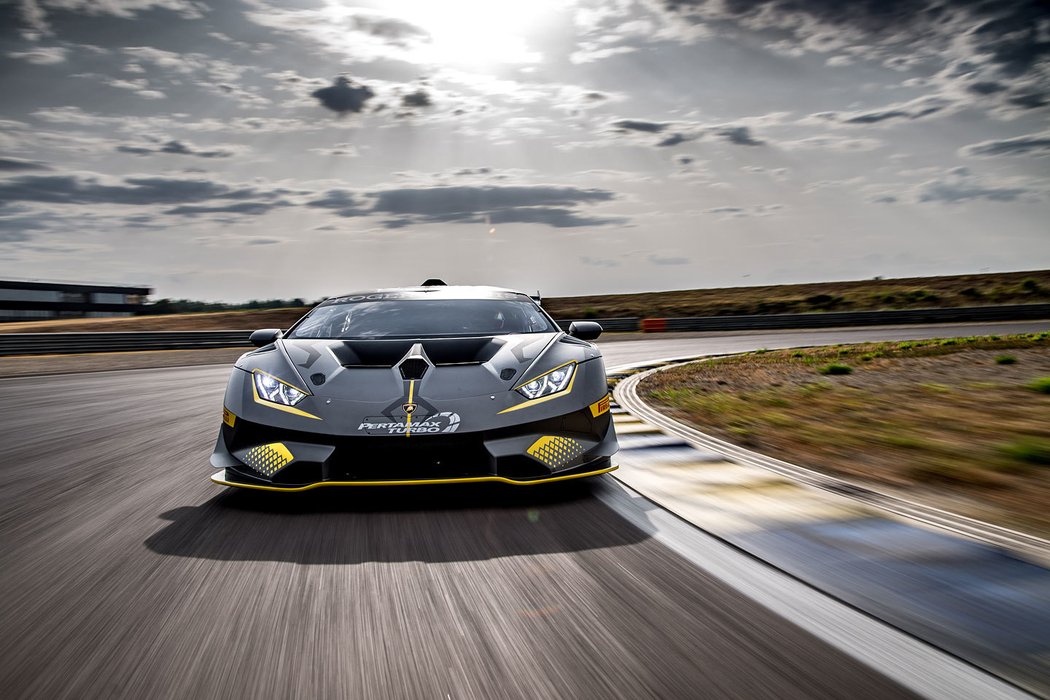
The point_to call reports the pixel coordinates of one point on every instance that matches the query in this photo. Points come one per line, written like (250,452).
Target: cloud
(343,96)
(960,185)
(34,13)
(832,143)
(341,202)
(432,200)
(911,110)
(417,98)
(1029,144)
(674,140)
(252,208)
(346,150)
(179,148)
(41,55)
(10,164)
(735,212)
(92,189)
(556,206)
(995,50)
(639,125)
(358,34)
(738,134)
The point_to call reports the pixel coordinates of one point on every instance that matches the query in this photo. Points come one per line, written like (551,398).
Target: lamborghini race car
(430,384)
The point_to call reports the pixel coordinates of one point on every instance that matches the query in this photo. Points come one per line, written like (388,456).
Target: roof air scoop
(414,364)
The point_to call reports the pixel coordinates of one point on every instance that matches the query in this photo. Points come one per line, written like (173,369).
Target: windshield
(415,318)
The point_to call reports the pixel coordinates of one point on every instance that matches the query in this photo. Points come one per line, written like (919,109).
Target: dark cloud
(251,208)
(739,135)
(544,204)
(344,96)
(998,50)
(419,98)
(341,202)
(986,87)
(10,164)
(179,148)
(72,189)
(639,125)
(458,199)
(1030,144)
(959,185)
(1028,100)
(674,140)
(876,117)
(395,32)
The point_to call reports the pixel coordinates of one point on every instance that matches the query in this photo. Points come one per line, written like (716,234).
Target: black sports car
(430,384)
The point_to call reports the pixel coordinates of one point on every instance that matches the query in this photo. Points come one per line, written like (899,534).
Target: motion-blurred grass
(941,419)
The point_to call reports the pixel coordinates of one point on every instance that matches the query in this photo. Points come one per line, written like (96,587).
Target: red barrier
(654,325)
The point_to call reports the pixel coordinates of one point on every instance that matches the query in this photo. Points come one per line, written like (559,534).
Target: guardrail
(608,324)
(831,319)
(72,343)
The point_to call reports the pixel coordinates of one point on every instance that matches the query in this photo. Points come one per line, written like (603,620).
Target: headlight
(550,383)
(273,389)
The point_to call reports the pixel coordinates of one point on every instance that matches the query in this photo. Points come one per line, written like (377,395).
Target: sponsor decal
(227,416)
(599,407)
(444,422)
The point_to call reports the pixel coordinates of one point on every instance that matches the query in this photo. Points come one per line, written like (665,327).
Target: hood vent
(415,364)
(439,351)
(413,368)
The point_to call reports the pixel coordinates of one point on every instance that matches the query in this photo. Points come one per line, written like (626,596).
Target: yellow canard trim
(220,479)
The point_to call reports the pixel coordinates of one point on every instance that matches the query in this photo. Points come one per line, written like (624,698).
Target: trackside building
(30,301)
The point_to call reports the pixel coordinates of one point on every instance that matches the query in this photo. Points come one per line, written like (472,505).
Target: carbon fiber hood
(456,367)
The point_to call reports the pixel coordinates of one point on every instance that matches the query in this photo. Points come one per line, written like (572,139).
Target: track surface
(126,573)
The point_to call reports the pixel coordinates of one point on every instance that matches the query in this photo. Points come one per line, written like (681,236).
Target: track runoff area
(128,574)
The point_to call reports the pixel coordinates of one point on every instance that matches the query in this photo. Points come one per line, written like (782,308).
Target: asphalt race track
(126,573)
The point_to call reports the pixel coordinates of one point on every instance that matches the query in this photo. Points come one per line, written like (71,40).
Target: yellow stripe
(219,478)
(411,393)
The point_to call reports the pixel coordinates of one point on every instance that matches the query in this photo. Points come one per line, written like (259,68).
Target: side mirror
(264,336)
(585,330)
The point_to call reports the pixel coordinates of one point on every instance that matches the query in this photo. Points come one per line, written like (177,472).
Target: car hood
(459,367)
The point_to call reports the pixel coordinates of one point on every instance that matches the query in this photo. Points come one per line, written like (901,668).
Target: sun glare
(476,32)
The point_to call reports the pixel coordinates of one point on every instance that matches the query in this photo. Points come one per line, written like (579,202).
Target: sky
(243,149)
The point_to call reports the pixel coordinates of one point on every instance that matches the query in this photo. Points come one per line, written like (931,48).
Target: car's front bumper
(574,445)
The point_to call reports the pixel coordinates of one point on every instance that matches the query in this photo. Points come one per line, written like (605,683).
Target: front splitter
(219,478)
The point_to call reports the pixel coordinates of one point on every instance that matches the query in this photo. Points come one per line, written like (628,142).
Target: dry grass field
(963,423)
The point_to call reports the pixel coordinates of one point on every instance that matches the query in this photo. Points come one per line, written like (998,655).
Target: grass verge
(942,420)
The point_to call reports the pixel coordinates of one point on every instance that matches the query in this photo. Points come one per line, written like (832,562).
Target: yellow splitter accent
(220,478)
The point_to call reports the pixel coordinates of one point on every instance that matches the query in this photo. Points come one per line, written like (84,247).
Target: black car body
(431,384)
